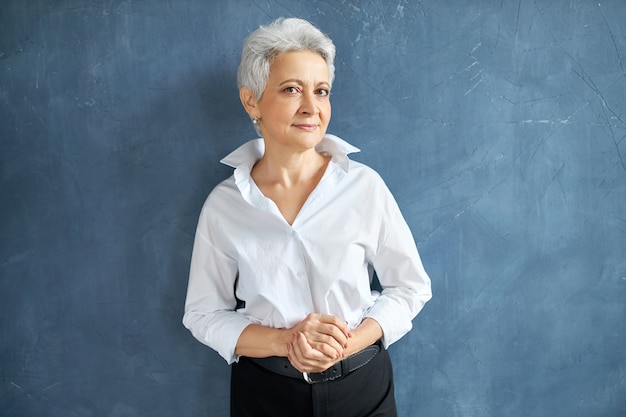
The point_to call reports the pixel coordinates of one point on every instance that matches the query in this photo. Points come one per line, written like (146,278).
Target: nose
(308,104)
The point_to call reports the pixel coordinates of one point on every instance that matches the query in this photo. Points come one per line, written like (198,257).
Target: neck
(289,168)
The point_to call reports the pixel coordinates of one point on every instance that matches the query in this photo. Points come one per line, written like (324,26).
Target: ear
(249,102)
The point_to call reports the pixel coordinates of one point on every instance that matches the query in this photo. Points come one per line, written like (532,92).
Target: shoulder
(222,195)
(221,210)
(367,183)
(361,184)
(364,173)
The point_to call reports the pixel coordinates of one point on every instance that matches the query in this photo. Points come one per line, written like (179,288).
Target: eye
(291,90)
(323,92)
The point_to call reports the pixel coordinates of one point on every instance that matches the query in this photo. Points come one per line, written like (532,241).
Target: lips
(306,126)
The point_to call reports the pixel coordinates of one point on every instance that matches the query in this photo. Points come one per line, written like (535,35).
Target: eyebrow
(300,82)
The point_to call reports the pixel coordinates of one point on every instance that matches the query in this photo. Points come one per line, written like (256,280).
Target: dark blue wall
(499,125)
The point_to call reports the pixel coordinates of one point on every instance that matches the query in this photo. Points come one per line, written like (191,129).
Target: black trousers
(366,392)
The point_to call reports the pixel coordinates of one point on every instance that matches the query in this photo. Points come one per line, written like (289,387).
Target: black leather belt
(282,366)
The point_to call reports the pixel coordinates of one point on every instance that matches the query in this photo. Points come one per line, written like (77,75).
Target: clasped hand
(317,342)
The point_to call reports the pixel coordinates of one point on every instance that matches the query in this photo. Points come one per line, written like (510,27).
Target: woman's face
(294,110)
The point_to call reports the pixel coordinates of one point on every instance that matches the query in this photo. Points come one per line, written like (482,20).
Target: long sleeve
(210,305)
(406,285)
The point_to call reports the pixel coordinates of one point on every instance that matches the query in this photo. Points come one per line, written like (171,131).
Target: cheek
(325,107)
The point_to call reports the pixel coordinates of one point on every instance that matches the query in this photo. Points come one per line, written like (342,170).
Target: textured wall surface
(500,126)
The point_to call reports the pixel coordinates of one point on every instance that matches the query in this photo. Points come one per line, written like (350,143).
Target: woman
(286,248)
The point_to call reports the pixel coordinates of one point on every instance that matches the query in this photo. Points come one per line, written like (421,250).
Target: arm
(258,341)
(366,334)
(327,335)
(305,358)
(406,285)
(210,303)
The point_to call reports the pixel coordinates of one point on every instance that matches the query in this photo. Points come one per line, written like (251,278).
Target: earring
(257,127)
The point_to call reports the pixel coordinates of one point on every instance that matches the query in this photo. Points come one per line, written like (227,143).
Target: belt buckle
(307,378)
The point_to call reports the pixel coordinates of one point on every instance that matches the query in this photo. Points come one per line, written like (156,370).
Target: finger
(307,359)
(327,334)
(304,351)
(318,339)
(338,333)
(328,346)
(326,325)
(337,324)
(298,353)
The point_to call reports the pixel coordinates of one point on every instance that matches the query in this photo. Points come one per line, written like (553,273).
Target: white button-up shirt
(250,266)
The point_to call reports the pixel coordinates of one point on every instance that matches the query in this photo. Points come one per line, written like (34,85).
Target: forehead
(301,65)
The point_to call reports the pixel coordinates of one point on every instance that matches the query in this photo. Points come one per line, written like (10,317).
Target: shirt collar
(249,153)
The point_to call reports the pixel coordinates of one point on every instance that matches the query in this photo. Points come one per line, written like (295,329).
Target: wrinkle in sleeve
(406,285)
(210,304)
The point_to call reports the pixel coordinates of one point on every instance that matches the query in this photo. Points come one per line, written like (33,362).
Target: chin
(308,136)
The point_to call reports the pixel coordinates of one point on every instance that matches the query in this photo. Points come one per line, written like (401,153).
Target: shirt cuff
(221,331)
(390,321)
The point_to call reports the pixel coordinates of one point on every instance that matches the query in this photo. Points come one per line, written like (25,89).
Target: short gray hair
(280,36)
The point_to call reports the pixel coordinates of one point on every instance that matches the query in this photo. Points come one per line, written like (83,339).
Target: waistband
(282,366)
